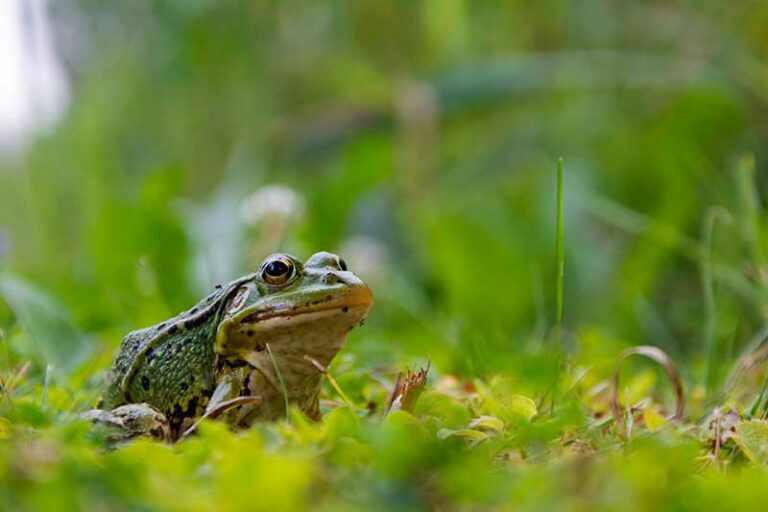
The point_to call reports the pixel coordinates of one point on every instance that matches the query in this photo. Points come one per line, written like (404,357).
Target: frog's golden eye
(277,271)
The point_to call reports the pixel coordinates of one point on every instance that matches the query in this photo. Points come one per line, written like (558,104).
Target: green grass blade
(560,250)
(559,278)
(708,289)
(749,216)
(280,379)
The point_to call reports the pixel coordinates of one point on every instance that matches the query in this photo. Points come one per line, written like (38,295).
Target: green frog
(244,352)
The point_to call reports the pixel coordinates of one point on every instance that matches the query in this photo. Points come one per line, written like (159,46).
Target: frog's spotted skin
(170,365)
(216,350)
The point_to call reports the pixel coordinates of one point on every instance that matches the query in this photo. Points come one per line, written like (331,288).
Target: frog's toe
(129,421)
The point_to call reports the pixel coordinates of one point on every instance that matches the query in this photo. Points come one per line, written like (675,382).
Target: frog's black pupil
(342,264)
(276,268)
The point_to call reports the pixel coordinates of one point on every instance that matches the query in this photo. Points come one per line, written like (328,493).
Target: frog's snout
(343,277)
(352,291)
(330,278)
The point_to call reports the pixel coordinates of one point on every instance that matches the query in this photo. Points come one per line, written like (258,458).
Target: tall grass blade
(749,216)
(710,310)
(755,407)
(559,278)
(754,353)
(280,379)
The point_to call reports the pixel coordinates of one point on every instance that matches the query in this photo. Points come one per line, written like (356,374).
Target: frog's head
(298,309)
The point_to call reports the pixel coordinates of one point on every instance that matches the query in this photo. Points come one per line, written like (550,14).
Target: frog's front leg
(227,399)
(230,383)
(131,420)
(230,398)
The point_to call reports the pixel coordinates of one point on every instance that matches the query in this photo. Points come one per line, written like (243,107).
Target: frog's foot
(129,421)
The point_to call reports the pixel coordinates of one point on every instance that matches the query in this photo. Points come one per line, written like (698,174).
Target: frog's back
(170,365)
(130,347)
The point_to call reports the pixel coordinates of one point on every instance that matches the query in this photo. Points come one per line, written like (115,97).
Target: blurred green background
(419,140)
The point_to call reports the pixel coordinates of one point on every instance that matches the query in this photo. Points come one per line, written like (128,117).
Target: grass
(280,379)
(412,141)
(559,282)
(710,311)
(459,440)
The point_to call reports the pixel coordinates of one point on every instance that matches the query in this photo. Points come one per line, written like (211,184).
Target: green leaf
(449,411)
(653,420)
(53,336)
(511,408)
(752,438)
(487,423)
(522,406)
(465,433)
(500,400)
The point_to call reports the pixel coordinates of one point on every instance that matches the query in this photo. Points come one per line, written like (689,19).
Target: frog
(247,352)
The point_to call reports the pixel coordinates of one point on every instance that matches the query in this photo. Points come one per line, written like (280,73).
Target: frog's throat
(236,339)
(264,368)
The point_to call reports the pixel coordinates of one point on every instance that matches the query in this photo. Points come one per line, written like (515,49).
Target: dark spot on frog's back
(345,309)
(197,320)
(172,329)
(150,354)
(145,383)
(249,332)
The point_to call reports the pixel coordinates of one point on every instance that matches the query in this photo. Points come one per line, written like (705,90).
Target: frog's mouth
(353,298)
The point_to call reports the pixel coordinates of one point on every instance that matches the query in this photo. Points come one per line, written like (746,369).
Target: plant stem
(708,288)
(750,213)
(560,274)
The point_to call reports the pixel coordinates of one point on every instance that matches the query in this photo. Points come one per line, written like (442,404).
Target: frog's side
(291,316)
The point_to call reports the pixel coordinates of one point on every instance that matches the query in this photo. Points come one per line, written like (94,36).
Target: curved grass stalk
(659,356)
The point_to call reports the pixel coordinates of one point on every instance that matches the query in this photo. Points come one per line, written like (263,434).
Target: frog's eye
(277,271)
